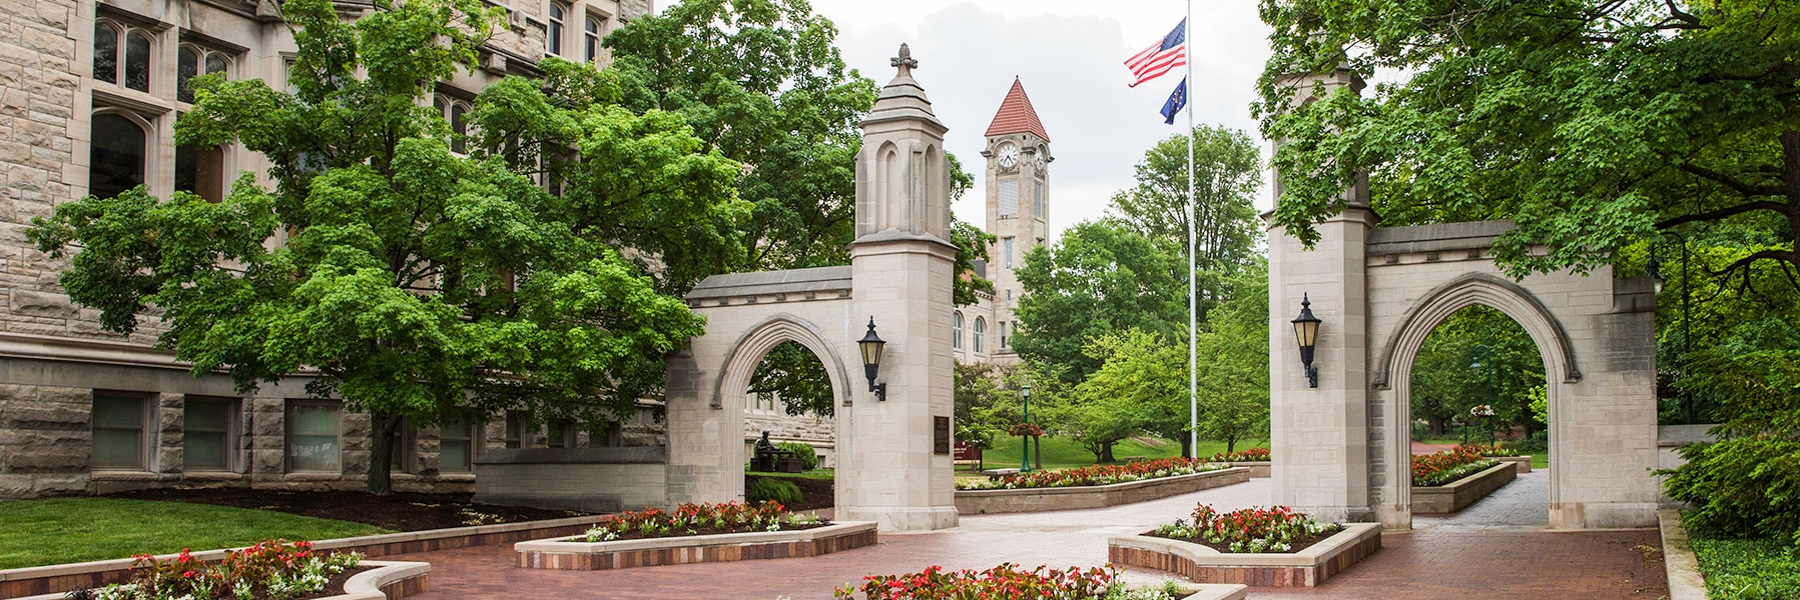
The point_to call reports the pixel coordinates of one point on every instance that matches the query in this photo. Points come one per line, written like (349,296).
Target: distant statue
(766,454)
(766,447)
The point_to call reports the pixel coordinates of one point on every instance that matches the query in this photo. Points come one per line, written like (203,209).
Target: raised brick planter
(56,579)
(1257,469)
(974,502)
(1306,568)
(1459,494)
(1522,462)
(388,580)
(559,553)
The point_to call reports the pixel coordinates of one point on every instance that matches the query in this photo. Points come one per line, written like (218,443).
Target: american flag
(1161,57)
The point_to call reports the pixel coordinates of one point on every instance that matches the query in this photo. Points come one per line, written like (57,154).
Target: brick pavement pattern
(1454,557)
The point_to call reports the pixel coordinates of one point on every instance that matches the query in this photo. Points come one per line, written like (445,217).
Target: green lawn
(63,530)
(1061,452)
(1748,569)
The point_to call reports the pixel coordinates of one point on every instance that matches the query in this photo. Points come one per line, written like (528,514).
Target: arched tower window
(559,15)
(192,61)
(956,330)
(590,31)
(980,332)
(122,55)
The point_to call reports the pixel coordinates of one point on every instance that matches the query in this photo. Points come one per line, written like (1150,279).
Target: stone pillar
(1320,437)
(888,470)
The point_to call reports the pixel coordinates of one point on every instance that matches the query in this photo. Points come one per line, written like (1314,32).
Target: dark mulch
(397,512)
(814,493)
(1299,544)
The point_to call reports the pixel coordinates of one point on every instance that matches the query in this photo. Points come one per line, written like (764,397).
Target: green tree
(795,376)
(1227,172)
(1233,361)
(1446,384)
(1590,124)
(412,280)
(1141,385)
(1100,278)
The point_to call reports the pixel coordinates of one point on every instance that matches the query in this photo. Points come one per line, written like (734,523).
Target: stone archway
(1393,370)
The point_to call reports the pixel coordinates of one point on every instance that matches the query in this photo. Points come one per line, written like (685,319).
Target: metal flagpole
(1193,314)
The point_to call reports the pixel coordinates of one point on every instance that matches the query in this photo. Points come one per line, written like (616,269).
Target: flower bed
(1447,466)
(699,519)
(1459,494)
(1030,499)
(272,570)
(1272,547)
(1096,475)
(1011,582)
(1246,455)
(1251,530)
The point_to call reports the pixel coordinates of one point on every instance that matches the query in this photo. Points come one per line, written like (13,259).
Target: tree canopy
(410,278)
(1591,124)
(1100,278)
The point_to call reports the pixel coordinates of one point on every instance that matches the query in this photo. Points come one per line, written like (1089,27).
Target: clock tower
(1018,204)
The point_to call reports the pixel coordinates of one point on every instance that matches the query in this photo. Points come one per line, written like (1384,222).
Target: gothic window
(559,15)
(201,171)
(956,330)
(1009,197)
(980,332)
(117,154)
(122,55)
(192,61)
(456,112)
(1006,252)
(590,38)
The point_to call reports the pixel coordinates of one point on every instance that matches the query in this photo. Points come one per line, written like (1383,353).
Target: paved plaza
(1494,549)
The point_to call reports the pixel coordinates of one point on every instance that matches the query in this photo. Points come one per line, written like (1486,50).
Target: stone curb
(972,502)
(560,554)
(1462,492)
(1306,568)
(410,577)
(1683,568)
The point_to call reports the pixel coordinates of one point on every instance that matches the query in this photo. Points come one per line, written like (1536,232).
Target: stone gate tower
(1018,203)
(890,469)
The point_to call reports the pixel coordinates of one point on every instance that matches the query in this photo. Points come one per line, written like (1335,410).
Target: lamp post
(871,345)
(1687,399)
(1306,328)
(1025,441)
(1484,353)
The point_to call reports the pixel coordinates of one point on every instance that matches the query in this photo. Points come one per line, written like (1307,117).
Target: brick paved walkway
(1463,556)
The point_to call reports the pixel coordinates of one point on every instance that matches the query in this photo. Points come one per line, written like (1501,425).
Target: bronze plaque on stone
(940,435)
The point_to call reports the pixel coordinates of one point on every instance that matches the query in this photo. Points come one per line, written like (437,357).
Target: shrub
(1098,474)
(1538,442)
(804,452)
(1749,569)
(1740,488)
(1006,581)
(1252,530)
(271,569)
(767,489)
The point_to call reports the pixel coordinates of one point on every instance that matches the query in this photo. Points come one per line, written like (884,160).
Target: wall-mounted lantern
(1306,327)
(871,355)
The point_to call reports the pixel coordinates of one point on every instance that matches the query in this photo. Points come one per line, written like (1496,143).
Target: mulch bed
(397,512)
(1299,544)
(814,493)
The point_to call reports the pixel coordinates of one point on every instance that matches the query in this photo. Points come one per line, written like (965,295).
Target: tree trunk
(1106,455)
(1187,447)
(1437,424)
(1037,452)
(381,449)
(1231,444)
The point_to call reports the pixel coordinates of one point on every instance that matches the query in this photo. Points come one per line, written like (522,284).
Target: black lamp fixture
(1306,327)
(871,354)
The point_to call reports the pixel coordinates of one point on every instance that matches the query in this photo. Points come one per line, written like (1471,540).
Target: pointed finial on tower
(904,61)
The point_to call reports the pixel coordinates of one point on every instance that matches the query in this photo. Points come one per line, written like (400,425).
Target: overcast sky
(1069,54)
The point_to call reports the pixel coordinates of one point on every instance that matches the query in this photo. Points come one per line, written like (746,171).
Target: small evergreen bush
(804,452)
(766,488)
(1740,488)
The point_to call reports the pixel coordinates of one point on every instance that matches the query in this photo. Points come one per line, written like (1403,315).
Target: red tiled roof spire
(1016,115)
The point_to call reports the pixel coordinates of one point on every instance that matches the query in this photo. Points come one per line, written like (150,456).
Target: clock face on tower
(1009,155)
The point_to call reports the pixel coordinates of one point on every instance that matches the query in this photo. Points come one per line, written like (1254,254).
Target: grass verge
(1749,569)
(51,531)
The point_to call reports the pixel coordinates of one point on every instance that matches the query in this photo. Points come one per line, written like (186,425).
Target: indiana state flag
(1176,101)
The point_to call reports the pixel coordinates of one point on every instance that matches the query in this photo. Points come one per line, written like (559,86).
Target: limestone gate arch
(893,460)
(1342,449)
